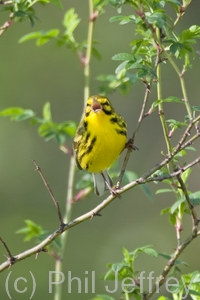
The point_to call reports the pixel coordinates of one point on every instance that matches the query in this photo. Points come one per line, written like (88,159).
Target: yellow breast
(106,138)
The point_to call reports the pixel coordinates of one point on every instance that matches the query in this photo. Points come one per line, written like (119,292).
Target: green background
(29,77)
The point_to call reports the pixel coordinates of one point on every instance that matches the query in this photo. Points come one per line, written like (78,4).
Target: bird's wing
(77,140)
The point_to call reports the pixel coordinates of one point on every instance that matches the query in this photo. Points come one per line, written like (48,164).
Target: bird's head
(98,104)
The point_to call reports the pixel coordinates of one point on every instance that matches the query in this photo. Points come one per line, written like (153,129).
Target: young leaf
(168,257)
(176,205)
(17,113)
(164,191)
(31,230)
(195,198)
(41,36)
(47,112)
(123,56)
(71,21)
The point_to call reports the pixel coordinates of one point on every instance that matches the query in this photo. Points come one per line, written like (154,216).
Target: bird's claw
(130,145)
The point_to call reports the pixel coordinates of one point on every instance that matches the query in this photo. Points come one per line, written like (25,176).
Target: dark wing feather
(77,140)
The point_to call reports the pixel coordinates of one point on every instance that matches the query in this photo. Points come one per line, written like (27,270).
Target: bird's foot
(113,191)
(130,145)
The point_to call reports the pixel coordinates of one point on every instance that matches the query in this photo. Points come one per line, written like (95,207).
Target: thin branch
(160,96)
(5,26)
(6,2)
(131,141)
(195,220)
(144,105)
(68,210)
(51,194)
(88,52)
(182,82)
(181,170)
(187,132)
(10,257)
(161,279)
(179,228)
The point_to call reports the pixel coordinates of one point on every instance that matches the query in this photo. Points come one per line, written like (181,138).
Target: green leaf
(175,124)
(68,128)
(96,53)
(85,181)
(172,219)
(181,153)
(31,230)
(168,257)
(164,191)
(186,3)
(176,205)
(157,18)
(71,21)
(123,56)
(30,36)
(47,112)
(17,113)
(165,211)
(176,2)
(131,176)
(192,292)
(116,18)
(60,132)
(41,36)
(56,242)
(186,175)
(173,99)
(145,188)
(21,15)
(167,100)
(11,111)
(183,46)
(195,108)
(146,249)
(57,3)
(190,148)
(195,198)
(121,67)
(123,19)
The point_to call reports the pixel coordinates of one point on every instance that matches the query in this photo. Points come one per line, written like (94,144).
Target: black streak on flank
(114,120)
(87,137)
(89,149)
(119,122)
(122,132)
(87,165)
(85,124)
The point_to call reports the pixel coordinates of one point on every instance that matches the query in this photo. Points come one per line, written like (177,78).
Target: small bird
(100,138)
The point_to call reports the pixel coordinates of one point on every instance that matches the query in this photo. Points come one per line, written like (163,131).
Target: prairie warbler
(99,140)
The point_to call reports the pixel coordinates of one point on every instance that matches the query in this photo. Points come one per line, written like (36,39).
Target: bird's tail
(100,186)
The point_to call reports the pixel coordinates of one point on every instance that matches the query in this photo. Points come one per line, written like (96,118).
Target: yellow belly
(108,144)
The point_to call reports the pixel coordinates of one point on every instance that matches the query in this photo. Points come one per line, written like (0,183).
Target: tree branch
(10,257)
(195,220)
(51,194)
(131,141)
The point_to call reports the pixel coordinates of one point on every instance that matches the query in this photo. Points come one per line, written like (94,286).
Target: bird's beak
(96,106)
